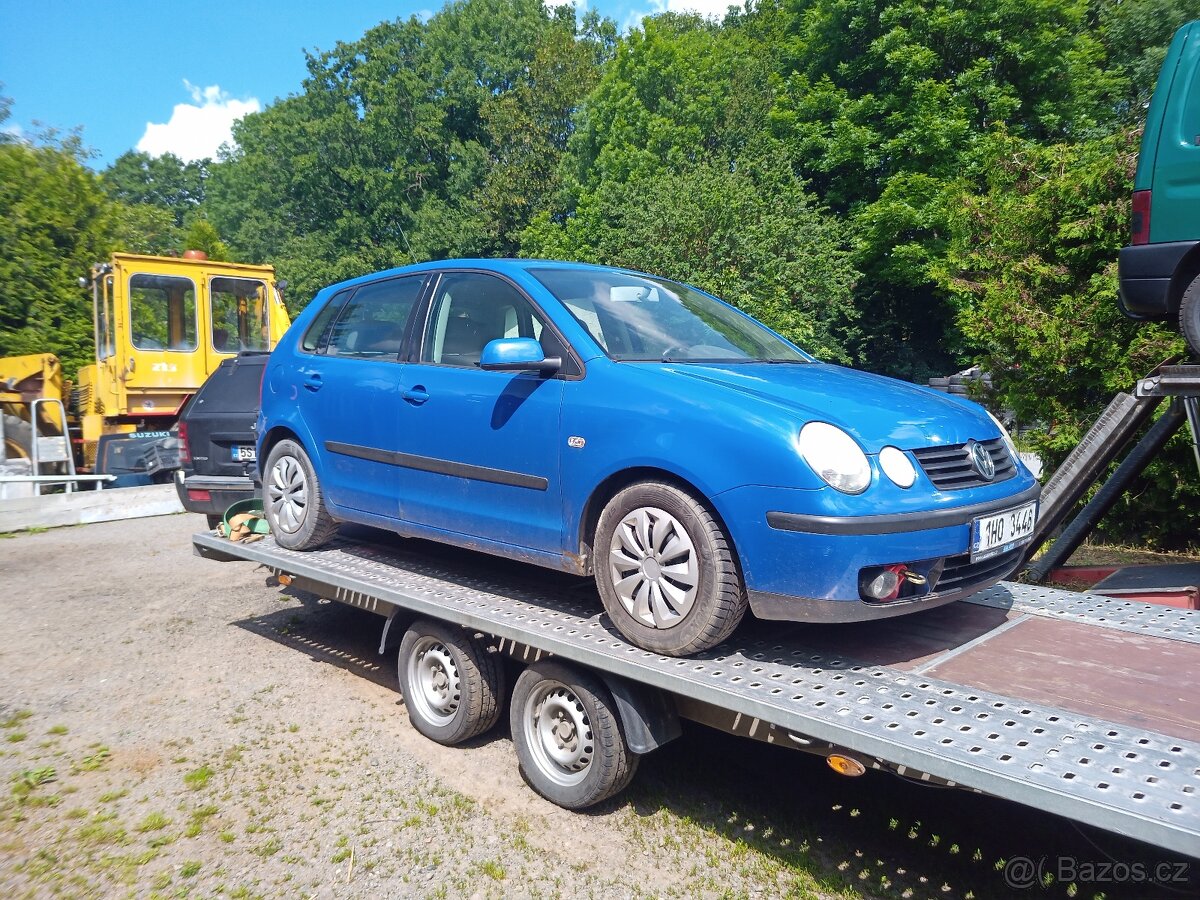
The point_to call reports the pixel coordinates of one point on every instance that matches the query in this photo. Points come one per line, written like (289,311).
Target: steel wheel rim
(654,567)
(287,491)
(433,681)
(558,733)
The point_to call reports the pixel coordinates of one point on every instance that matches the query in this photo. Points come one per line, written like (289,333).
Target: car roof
(501,266)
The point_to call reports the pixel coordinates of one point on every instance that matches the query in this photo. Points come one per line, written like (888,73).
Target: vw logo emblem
(981,460)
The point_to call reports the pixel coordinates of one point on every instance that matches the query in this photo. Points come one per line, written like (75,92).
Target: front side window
(639,317)
(372,322)
(470,310)
(162,312)
(239,311)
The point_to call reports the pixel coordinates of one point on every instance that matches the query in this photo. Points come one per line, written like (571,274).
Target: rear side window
(314,337)
(373,321)
(232,388)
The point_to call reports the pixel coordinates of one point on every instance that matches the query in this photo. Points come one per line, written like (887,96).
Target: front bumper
(806,568)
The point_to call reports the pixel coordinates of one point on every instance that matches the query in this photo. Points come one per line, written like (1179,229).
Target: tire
(665,614)
(1189,316)
(214,521)
(452,686)
(18,438)
(570,744)
(293,501)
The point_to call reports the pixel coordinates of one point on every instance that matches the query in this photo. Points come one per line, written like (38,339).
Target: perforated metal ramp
(1135,781)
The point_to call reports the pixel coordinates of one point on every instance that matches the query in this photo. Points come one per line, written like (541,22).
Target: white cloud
(196,130)
(710,9)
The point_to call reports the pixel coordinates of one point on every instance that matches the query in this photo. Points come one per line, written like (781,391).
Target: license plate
(243,453)
(999,533)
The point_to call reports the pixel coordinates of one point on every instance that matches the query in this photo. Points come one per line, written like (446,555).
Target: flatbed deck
(1078,705)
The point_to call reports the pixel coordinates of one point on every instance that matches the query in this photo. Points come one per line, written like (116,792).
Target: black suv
(218,440)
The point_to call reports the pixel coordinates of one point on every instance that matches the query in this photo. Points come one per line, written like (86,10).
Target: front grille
(961,574)
(950,468)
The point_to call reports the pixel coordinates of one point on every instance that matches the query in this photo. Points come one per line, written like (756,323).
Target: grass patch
(190,868)
(111,796)
(15,736)
(94,760)
(154,821)
(198,779)
(57,729)
(16,718)
(493,869)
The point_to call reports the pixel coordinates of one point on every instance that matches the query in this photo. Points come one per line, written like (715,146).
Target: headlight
(1008,441)
(835,457)
(897,467)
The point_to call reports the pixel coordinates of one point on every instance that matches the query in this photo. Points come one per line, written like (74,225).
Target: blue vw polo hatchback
(607,422)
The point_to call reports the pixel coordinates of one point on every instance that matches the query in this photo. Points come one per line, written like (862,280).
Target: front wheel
(666,570)
(293,501)
(1189,316)
(569,741)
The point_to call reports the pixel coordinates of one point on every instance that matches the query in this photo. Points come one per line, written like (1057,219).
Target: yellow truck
(162,326)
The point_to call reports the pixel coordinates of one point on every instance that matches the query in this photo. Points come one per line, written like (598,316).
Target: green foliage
(202,236)
(1031,267)
(165,182)
(753,237)
(54,223)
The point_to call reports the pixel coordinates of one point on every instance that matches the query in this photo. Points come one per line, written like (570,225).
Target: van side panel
(1173,170)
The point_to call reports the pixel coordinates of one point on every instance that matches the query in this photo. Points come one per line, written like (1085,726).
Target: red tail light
(1141,217)
(185,449)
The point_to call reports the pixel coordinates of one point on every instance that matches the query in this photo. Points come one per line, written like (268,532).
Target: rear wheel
(452,686)
(666,570)
(568,738)
(1189,316)
(293,501)
(214,521)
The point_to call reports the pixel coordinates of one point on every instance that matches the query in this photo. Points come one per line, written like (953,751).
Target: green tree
(55,221)
(163,181)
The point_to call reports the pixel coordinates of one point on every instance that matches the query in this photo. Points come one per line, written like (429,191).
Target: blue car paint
(729,431)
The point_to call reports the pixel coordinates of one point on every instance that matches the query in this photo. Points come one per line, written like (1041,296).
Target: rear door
(349,393)
(1175,209)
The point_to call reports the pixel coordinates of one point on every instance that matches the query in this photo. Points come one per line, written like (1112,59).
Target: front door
(480,450)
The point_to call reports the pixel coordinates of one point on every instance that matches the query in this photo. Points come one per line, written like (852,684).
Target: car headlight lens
(1008,441)
(835,457)
(897,467)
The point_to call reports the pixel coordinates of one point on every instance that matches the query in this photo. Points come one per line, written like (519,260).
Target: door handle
(313,381)
(416,395)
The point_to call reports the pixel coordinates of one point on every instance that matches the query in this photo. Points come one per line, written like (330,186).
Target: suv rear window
(234,386)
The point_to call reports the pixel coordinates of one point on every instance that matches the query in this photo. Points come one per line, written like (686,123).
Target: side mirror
(517,355)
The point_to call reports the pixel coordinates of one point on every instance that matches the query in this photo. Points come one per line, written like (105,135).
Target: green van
(1160,270)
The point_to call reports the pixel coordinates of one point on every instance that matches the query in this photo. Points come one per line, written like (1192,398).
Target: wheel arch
(273,437)
(1186,271)
(600,496)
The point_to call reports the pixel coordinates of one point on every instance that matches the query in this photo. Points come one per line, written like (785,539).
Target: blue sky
(171,76)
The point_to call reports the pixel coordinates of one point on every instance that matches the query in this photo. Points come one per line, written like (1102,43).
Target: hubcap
(558,733)
(434,681)
(652,563)
(287,492)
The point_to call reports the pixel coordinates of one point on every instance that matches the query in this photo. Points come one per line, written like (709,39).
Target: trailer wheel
(293,500)
(570,744)
(452,686)
(1189,316)
(666,571)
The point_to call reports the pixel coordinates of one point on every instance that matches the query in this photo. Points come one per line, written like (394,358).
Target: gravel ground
(178,727)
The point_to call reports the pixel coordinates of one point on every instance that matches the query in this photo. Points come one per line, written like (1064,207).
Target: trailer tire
(661,612)
(452,686)
(293,501)
(569,739)
(1189,316)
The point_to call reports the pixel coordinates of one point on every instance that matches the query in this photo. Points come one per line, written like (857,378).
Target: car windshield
(641,318)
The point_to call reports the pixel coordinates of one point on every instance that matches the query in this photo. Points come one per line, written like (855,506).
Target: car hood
(876,410)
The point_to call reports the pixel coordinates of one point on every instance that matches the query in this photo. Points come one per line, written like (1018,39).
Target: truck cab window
(162,312)
(239,310)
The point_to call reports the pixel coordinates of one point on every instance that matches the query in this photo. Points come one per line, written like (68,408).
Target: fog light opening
(882,583)
(844,765)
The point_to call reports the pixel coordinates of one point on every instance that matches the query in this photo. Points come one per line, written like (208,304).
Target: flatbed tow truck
(1077,705)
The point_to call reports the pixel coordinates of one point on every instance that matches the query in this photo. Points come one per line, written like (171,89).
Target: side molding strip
(440,466)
